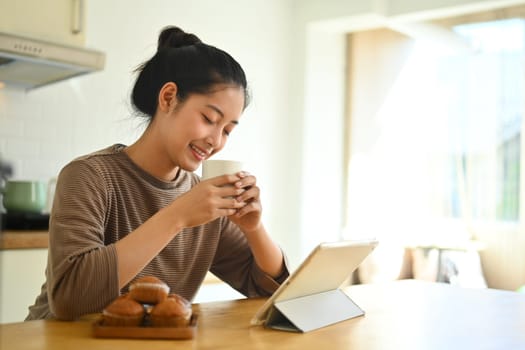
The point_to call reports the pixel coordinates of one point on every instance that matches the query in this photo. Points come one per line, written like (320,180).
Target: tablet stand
(310,312)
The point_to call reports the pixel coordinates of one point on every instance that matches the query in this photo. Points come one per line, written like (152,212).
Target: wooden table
(399,315)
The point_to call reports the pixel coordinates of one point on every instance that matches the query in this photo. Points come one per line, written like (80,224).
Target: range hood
(30,63)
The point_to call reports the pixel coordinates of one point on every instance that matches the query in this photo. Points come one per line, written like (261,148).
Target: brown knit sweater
(99,199)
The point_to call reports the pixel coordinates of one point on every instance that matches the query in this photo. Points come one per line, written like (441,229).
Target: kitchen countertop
(23,240)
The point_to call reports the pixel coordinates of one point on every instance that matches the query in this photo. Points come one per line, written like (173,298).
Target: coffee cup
(217,167)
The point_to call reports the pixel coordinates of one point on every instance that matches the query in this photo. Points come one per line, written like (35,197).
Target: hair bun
(175,37)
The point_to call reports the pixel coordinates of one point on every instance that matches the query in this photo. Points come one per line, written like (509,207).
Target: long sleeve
(235,265)
(82,276)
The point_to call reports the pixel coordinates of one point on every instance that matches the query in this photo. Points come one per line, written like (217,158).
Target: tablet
(326,268)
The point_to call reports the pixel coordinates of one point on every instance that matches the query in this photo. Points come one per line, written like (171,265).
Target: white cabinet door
(22,273)
(59,21)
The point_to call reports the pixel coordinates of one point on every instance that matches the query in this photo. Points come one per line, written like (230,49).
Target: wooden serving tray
(146,332)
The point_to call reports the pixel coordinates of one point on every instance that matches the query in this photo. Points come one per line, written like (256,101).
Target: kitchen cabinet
(59,21)
(22,273)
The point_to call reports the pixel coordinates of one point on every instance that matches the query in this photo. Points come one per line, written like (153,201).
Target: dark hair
(184,59)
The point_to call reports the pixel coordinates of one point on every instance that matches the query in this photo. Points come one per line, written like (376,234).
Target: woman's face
(200,126)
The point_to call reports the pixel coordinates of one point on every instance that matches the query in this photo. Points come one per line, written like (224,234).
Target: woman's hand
(248,217)
(267,254)
(205,202)
(208,200)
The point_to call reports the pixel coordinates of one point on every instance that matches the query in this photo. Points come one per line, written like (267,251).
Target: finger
(246,181)
(249,195)
(226,212)
(229,191)
(231,203)
(223,180)
(248,208)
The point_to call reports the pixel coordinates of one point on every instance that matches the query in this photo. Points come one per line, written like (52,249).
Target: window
(485,118)
(436,133)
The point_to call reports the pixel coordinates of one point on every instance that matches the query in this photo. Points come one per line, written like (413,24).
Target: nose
(214,139)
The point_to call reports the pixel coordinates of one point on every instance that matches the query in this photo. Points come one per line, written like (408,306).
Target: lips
(199,153)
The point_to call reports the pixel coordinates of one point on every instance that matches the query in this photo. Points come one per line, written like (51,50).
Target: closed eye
(208,120)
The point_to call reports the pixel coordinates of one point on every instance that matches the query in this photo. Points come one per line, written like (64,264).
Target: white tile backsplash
(41,131)
(3,146)
(22,148)
(10,127)
(36,146)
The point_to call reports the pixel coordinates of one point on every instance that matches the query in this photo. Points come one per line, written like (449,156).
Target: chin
(189,167)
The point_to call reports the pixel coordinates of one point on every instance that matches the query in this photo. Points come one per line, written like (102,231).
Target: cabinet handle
(77,23)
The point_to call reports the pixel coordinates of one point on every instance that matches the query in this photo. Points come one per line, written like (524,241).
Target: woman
(126,212)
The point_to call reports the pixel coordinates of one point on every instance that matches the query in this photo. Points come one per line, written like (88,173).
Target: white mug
(217,167)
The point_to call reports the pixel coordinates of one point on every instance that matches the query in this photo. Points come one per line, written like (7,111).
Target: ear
(167,97)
